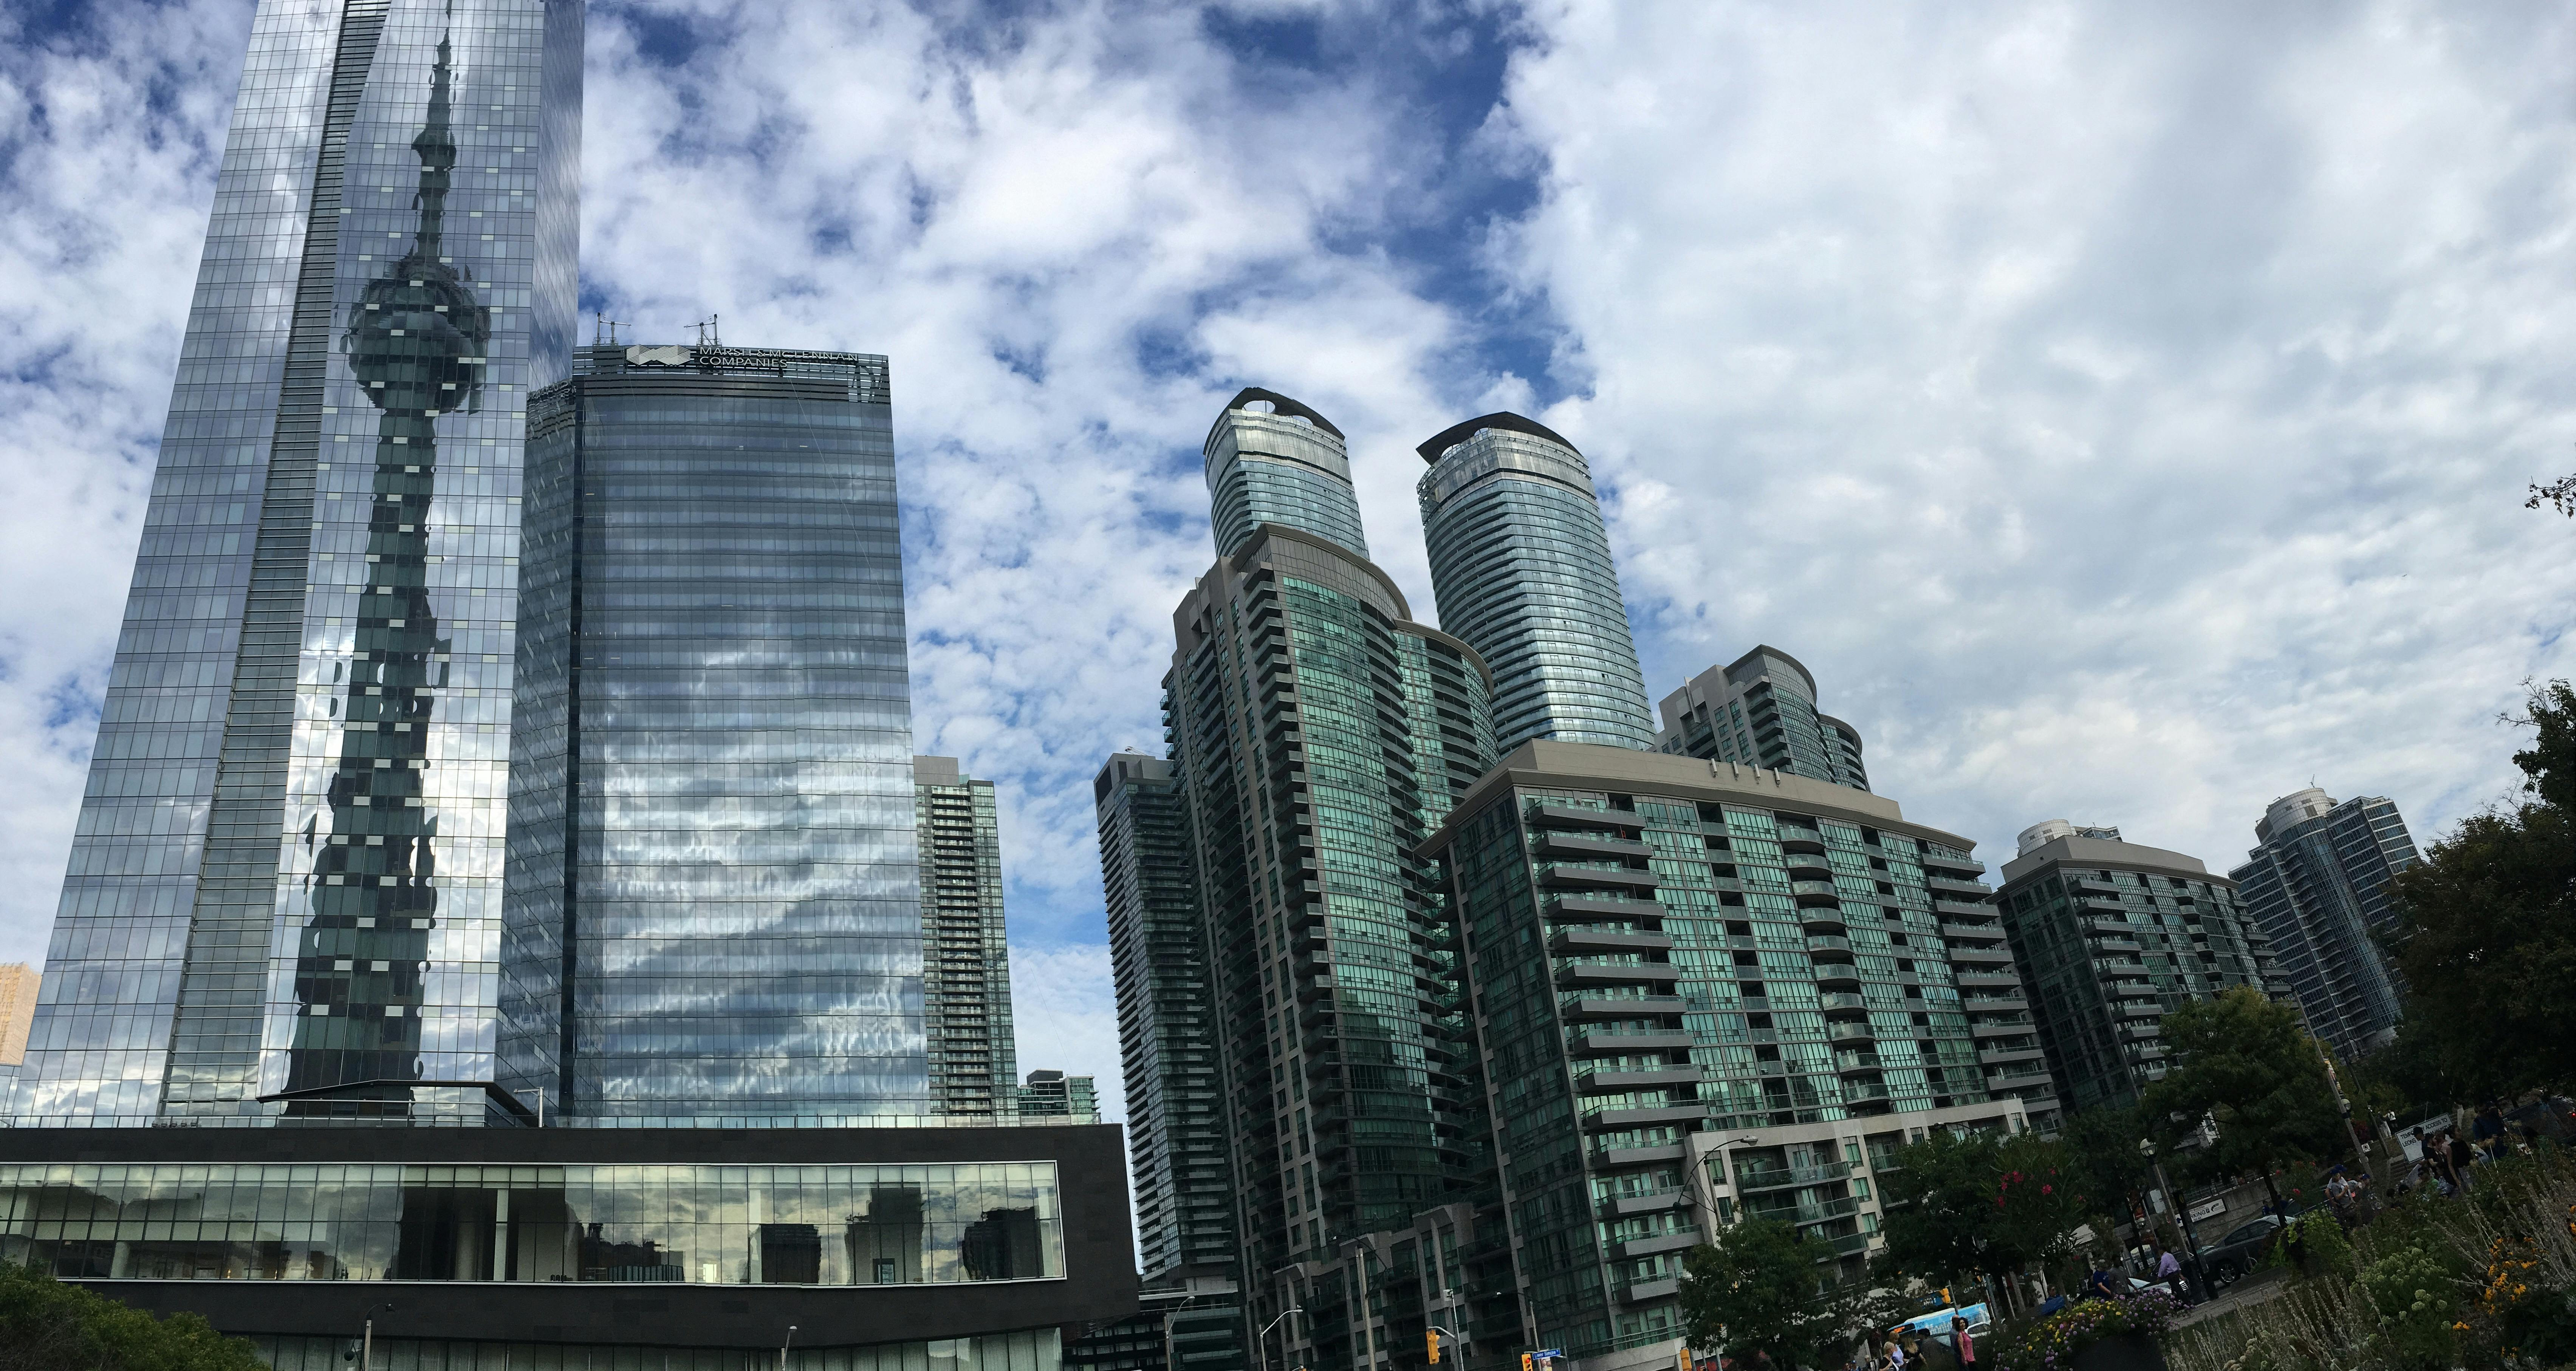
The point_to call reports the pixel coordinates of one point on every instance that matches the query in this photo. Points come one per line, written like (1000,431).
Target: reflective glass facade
(1660,947)
(1271,460)
(2111,936)
(2318,885)
(1319,733)
(965,947)
(716,1225)
(1761,711)
(713,910)
(1037,1350)
(285,878)
(1521,563)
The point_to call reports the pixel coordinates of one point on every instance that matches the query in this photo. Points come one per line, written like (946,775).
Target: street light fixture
(2182,1208)
(1261,1340)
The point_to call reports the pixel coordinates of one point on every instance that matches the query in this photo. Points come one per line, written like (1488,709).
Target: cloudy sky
(2124,410)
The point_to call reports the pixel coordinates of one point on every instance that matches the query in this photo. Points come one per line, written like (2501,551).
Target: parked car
(2227,1260)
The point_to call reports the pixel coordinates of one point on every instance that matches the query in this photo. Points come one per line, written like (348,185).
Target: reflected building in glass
(284,890)
(1521,564)
(712,911)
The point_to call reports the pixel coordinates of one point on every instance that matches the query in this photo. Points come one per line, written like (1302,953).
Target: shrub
(2314,1245)
(2413,1291)
(2051,1343)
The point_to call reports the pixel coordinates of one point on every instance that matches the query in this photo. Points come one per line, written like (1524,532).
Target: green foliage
(2314,1245)
(2051,1344)
(1759,1288)
(1755,1289)
(2486,932)
(2246,1062)
(46,1325)
(2414,1291)
(1961,1207)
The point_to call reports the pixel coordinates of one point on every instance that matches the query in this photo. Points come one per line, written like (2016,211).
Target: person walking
(1966,1346)
(2462,1159)
(2169,1269)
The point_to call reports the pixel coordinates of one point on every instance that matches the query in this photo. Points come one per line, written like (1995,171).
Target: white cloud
(108,143)
(2125,412)
(1066,1018)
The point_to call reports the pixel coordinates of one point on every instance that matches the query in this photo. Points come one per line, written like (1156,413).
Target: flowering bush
(2051,1343)
(2413,1293)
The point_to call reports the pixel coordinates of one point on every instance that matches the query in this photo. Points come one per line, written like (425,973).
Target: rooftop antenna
(715,323)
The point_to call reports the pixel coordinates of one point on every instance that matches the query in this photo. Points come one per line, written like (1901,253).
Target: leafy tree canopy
(2486,931)
(1759,1289)
(2246,1063)
(1962,1207)
(46,1325)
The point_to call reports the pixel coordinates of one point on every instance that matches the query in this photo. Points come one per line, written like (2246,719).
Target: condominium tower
(2111,936)
(1474,1028)
(1761,711)
(284,888)
(2318,884)
(965,950)
(1176,1111)
(1272,460)
(1522,567)
(713,910)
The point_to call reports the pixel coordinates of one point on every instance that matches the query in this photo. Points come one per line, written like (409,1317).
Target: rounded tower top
(2292,810)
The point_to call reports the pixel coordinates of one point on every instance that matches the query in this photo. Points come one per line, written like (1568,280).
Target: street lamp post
(782,1347)
(1261,1340)
(2182,1208)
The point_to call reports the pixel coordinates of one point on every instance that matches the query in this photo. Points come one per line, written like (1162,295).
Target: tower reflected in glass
(713,908)
(284,889)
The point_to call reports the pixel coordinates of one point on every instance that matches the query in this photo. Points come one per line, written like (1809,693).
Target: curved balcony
(1837,976)
(1588,977)
(1810,893)
(1823,920)
(1599,878)
(1843,1005)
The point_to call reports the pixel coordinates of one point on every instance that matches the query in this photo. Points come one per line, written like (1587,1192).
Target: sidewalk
(2254,1289)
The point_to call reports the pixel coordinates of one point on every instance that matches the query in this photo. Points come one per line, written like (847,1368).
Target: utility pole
(2182,1210)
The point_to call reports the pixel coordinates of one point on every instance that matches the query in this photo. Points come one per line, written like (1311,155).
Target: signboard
(2209,1209)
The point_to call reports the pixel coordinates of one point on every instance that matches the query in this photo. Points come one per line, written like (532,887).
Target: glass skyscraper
(1761,711)
(1521,564)
(284,889)
(2319,886)
(1271,460)
(713,909)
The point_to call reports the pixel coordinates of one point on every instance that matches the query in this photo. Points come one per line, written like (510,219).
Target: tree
(1938,1199)
(2102,1145)
(2486,927)
(1757,1290)
(2247,1064)
(1962,1208)
(46,1325)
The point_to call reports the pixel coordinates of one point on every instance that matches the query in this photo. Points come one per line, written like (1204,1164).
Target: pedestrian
(2101,1285)
(2461,1159)
(2169,1270)
(2488,1129)
(1967,1348)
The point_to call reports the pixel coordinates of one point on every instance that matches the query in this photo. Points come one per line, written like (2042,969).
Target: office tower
(2318,884)
(713,910)
(2111,936)
(1685,968)
(965,951)
(1055,1094)
(284,880)
(1166,1036)
(1271,460)
(1522,566)
(1761,711)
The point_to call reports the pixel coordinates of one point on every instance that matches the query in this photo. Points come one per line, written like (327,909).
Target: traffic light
(1525,1362)
(1431,1339)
